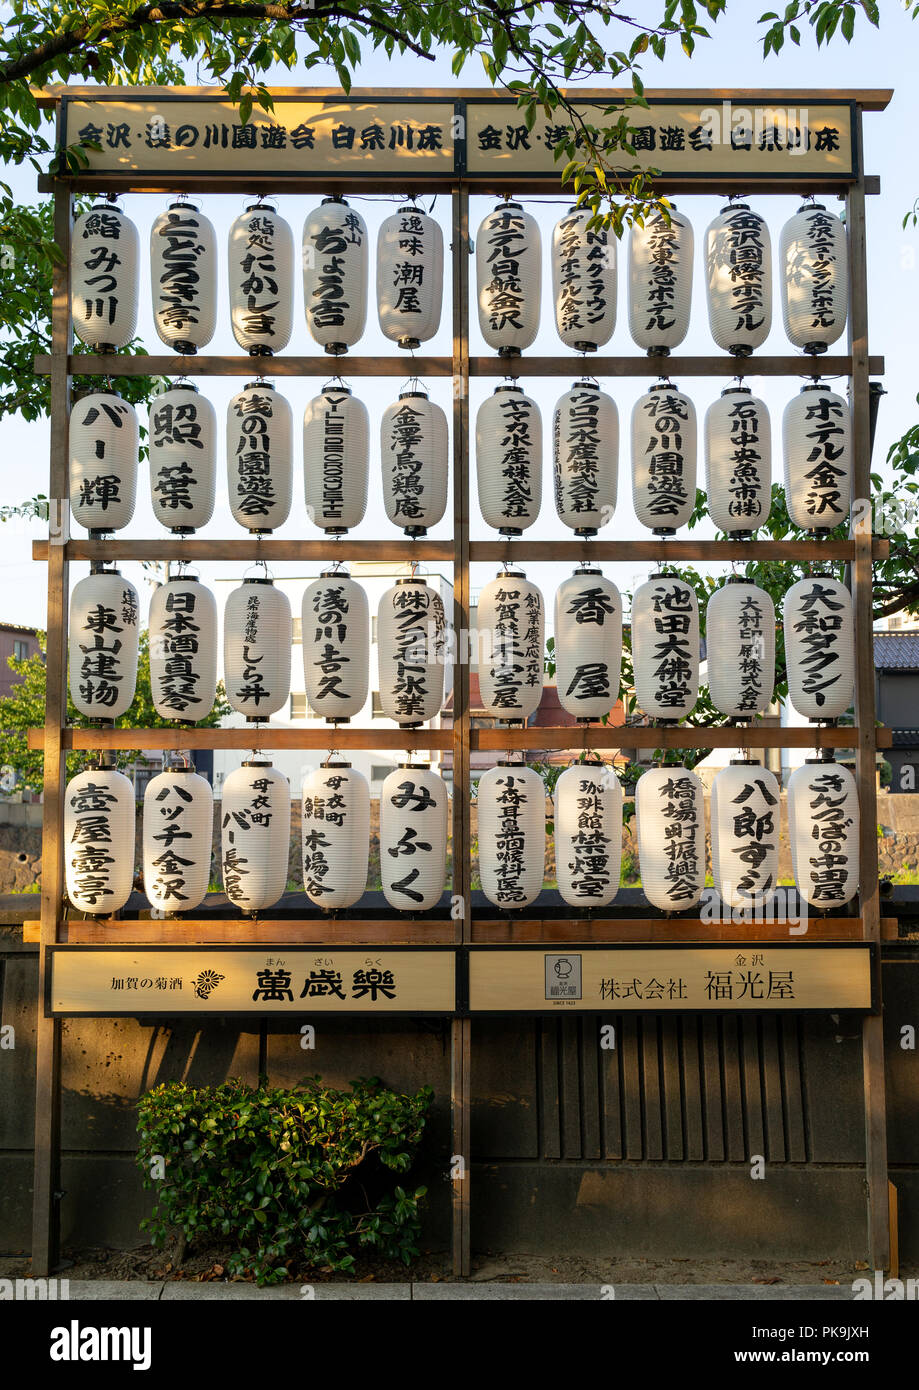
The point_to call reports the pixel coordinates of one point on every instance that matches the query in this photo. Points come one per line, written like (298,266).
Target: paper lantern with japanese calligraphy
(104,438)
(663,459)
(183,278)
(670,811)
(183,650)
(104,631)
(508,262)
(817,450)
(335,834)
(823,826)
(410,277)
(585,453)
(335,272)
(182,445)
(411,652)
(336,646)
(261,270)
(740,640)
(665,647)
(336,460)
(814,277)
(738,272)
(588,644)
(177,839)
(413,837)
(103,267)
(99,841)
(583,281)
(255,835)
(588,834)
(660,282)
(508,455)
(257,637)
(745,834)
(738,461)
(511,637)
(413,450)
(511,802)
(819,647)
(260,457)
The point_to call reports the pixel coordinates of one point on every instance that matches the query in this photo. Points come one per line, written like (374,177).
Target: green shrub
(287,1177)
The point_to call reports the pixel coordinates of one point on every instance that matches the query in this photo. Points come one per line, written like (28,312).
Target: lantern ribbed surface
(411,652)
(335,835)
(740,641)
(260,263)
(660,281)
(413,453)
(817,452)
(511,802)
(260,457)
(336,646)
(588,643)
(410,277)
(819,629)
(99,840)
(177,838)
(255,836)
(745,812)
(665,647)
(823,828)
(814,278)
(670,810)
(104,277)
(588,834)
(508,264)
(511,622)
(335,273)
(508,456)
(104,631)
(182,445)
(738,461)
(257,638)
(336,460)
(183,278)
(413,838)
(663,459)
(738,273)
(585,456)
(583,281)
(183,650)
(104,439)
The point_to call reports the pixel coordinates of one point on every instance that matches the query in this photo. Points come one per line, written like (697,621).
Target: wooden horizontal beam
(248,548)
(638,366)
(321,930)
(574,738)
(684,931)
(521,548)
(251,737)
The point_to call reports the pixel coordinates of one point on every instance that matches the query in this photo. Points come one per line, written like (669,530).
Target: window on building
(377,705)
(380,771)
(298,705)
(20,650)
(298,630)
(373,627)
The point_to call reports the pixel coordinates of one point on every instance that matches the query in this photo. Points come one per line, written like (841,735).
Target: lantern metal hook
(342,384)
(412,383)
(331,754)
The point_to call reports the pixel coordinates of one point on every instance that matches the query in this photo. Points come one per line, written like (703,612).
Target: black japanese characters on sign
(589,845)
(517,656)
(746,460)
(825,428)
(751,654)
(820,626)
(755,837)
(833,831)
(170,865)
(667,442)
(681,809)
(582,297)
(238,826)
(183,297)
(176,445)
(512,800)
(101,636)
(179,638)
(253,485)
(674,661)
(577,444)
(91,843)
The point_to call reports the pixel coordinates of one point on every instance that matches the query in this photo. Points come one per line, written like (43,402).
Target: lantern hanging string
(330,384)
(331,754)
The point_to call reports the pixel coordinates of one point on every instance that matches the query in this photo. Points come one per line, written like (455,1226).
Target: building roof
(904,738)
(897,651)
(15,627)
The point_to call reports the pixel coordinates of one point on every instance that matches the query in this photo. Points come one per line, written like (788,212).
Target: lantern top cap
(587,568)
(510,574)
(416,767)
(820,762)
(411,579)
(411,395)
(736,207)
(258,386)
(735,390)
(812,207)
(334,198)
(815,386)
(257,762)
(334,762)
(744,762)
(258,579)
(508,386)
(509,203)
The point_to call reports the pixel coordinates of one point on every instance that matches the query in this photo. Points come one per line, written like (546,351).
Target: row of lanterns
(816,438)
(335,831)
(410,269)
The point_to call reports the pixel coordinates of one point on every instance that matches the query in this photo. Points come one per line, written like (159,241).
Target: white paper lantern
(335,273)
(413,837)
(665,647)
(745,834)
(257,638)
(738,271)
(660,282)
(411,652)
(413,450)
(814,266)
(410,277)
(588,834)
(183,650)
(817,450)
(508,454)
(511,801)
(336,460)
(261,269)
(260,457)
(585,454)
(823,829)
(511,637)
(183,277)
(508,263)
(336,646)
(670,811)
(178,836)
(103,268)
(104,439)
(740,641)
(583,281)
(99,841)
(588,644)
(255,835)
(819,647)
(335,834)
(104,631)
(663,459)
(738,461)
(182,443)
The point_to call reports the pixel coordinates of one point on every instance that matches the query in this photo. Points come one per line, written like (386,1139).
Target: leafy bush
(298,1176)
